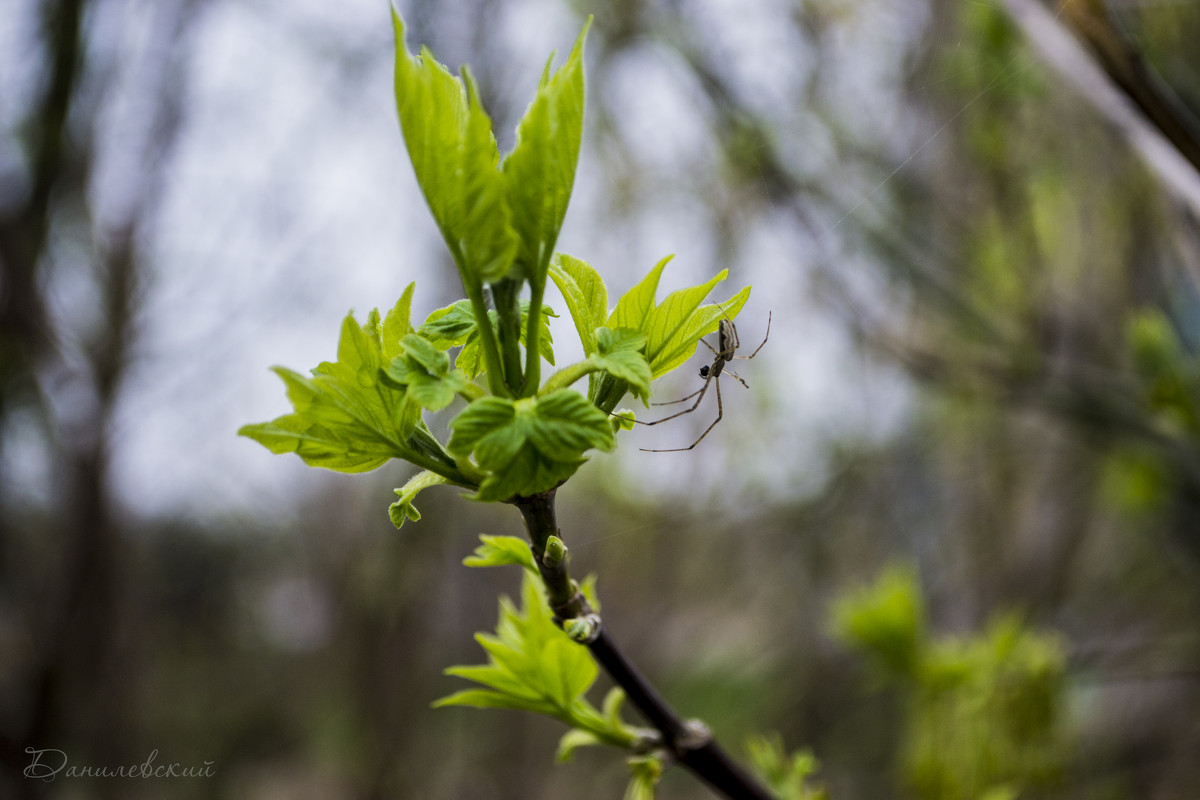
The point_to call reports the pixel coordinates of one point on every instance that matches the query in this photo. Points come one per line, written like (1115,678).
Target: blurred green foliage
(984,713)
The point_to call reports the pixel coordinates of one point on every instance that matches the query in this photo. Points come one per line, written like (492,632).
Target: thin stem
(508,311)
(491,353)
(690,742)
(426,452)
(533,332)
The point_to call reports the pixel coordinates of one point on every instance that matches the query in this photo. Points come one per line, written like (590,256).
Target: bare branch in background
(1113,77)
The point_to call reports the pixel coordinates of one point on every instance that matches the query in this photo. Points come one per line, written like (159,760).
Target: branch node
(583,630)
(696,736)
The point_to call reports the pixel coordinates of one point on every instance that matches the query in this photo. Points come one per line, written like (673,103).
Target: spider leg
(738,377)
(709,346)
(760,346)
(693,407)
(680,400)
(720,413)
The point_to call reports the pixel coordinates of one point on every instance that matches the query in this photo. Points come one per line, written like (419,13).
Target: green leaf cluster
(533,666)
(674,327)
(528,445)
(786,774)
(346,418)
(499,218)
(664,334)
(647,770)
(455,326)
(983,713)
(1170,376)
(424,371)
(885,620)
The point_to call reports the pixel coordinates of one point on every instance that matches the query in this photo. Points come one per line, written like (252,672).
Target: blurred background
(982,262)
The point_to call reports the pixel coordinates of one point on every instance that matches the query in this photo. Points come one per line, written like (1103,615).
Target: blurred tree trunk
(67,373)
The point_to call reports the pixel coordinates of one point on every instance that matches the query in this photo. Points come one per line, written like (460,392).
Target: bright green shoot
(500,217)
(514,438)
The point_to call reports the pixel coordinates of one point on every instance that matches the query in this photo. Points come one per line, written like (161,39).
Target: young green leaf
(455,326)
(787,775)
(497,551)
(533,666)
(470,359)
(678,324)
(318,445)
(565,425)
(346,419)
(571,741)
(403,508)
(674,328)
(455,158)
(396,324)
(424,371)
(634,307)
(450,326)
(540,171)
(482,698)
(528,445)
(531,660)
(585,294)
(646,771)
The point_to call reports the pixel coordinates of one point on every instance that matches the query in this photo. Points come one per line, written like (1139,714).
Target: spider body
(723,353)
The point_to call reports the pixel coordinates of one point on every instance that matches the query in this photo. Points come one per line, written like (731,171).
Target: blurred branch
(1113,77)
(1129,71)
(1099,401)
(23,332)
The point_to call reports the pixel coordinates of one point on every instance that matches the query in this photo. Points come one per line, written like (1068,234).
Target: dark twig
(689,742)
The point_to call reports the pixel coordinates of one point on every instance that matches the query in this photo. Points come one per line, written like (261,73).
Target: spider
(727,345)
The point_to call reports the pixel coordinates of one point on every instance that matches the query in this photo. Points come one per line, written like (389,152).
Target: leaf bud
(555,552)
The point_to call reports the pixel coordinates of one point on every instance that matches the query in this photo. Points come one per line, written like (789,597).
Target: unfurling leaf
(619,353)
(497,551)
(646,771)
(397,324)
(403,508)
(529,445)
(585,294)
(455,326)
(531,660)
(571,741)
(425,372)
